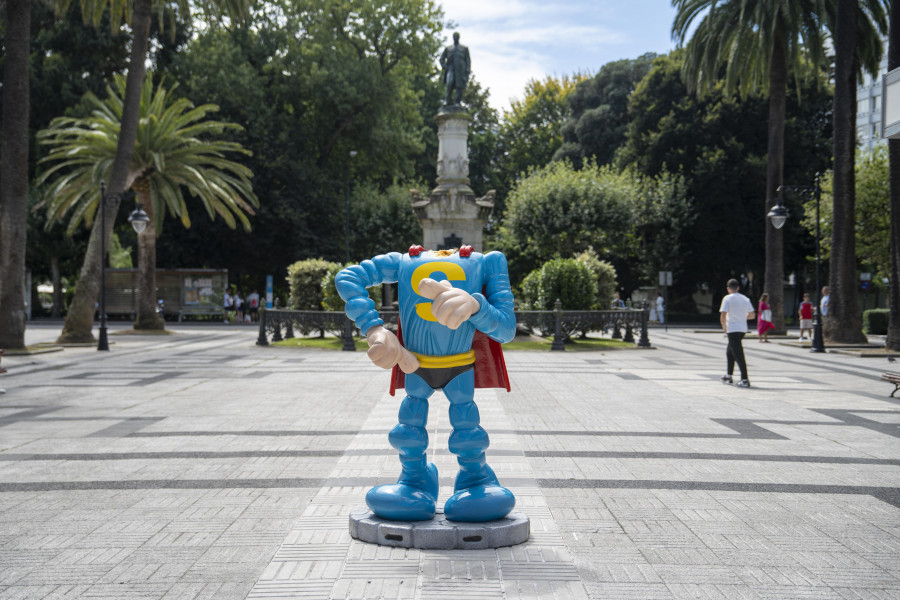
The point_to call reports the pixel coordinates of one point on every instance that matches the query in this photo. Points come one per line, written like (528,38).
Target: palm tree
(176,149)
(857,46)
(14,174)
(893,336)
(761,43)
(79,319)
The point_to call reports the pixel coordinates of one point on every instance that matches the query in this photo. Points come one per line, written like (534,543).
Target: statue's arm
(496,316)
(351,284)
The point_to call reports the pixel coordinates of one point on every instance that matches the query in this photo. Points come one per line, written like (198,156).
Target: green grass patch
(326,343)
(582,345)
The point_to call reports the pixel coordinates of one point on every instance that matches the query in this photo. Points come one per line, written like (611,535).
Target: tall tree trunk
(774,279)
(14,174)
(80,317)
(843,324)
(146,308)
(893,336)
(56,282)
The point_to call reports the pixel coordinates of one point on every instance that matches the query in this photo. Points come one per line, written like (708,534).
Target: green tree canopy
(873,227)
(597,115)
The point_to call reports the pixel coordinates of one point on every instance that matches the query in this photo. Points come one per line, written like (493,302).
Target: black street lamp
(814,191)
(138,219)
(347,208)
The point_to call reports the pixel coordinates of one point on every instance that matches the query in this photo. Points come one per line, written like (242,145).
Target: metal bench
(892,377)
(198,311)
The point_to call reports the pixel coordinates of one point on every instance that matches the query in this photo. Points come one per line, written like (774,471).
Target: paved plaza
(199,465)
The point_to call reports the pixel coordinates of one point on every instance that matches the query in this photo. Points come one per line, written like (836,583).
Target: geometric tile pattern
(203,466)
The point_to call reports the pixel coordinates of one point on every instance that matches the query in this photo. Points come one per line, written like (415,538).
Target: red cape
(490,368)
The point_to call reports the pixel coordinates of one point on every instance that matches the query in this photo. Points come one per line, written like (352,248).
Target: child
(764,318)
(806,316)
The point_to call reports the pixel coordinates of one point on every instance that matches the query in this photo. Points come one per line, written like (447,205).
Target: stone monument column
(451,216)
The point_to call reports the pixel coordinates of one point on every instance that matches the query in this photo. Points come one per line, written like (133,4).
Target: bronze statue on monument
(456,66)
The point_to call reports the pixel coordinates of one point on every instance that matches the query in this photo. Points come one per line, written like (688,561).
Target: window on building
(876,103)
(862,107)
(874,131)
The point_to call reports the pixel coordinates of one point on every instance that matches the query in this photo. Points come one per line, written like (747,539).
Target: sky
(513,41)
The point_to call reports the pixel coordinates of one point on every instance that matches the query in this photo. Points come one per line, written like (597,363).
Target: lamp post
(138,219)
(347,208)
(815,191)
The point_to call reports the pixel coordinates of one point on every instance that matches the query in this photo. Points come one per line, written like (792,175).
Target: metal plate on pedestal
(439,533)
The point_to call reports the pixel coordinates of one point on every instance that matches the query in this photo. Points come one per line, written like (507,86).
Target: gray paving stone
(661,484)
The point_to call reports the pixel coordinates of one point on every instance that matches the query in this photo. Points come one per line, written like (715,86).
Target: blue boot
(478,496)
(414,495)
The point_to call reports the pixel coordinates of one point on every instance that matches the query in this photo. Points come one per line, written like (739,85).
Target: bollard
(276,330)
(261,340)
(629,334)
(349,346)
(289,330)
(616,332)
(557,332)
(645,317)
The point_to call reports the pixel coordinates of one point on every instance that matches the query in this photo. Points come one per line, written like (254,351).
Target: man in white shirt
(733,314)
(823,303)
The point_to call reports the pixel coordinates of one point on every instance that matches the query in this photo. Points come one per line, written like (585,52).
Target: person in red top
(764,318)
(806,316)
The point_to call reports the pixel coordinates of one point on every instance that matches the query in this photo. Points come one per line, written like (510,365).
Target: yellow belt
(443,362)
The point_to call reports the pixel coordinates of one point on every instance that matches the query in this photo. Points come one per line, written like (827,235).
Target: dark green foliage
(604,276)
(569,280)
(305,281)
(382,222)
(597,115)
(718,144)
(875,321)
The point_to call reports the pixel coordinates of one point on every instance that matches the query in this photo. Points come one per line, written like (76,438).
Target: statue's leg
(459,93)
(478,496)
(449,95)
(414,495)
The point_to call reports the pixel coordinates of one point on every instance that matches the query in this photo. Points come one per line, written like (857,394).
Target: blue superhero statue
(448,301)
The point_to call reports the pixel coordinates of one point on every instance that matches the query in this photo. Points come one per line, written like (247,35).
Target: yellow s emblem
(452,271)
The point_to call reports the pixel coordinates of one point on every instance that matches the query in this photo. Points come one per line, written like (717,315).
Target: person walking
(660,308)
(733,314)
(229,305)
(764,318)
(823,303)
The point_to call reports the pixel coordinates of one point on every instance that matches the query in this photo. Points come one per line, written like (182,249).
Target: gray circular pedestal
(439,533)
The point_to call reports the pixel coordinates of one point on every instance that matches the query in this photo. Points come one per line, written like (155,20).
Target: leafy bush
(875,321)
(305,281)
(604,275)
(330,298)
(571,281)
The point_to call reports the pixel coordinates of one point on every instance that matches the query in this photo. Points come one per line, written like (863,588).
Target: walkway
(199,465)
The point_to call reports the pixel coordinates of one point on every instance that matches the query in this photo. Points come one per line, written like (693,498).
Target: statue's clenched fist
(386,351)
(451,306)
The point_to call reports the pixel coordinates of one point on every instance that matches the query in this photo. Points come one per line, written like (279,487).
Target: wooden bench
(892,377)
(201,311)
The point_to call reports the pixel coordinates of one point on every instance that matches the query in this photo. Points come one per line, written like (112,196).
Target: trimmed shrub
(875,321)
(571,281)
(604,275)
(305,281)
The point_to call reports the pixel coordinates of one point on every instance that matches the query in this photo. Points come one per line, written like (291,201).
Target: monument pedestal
(451,215)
